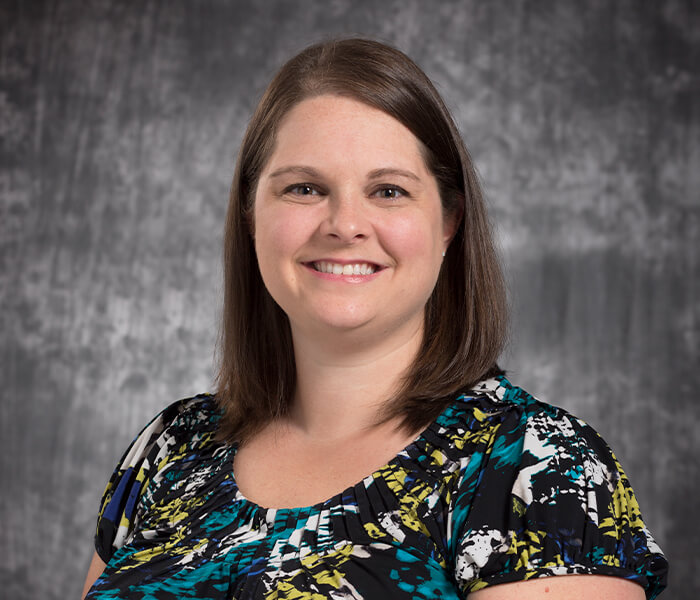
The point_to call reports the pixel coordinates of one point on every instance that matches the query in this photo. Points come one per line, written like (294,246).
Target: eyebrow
(379,173)
(374,174)
(298,170)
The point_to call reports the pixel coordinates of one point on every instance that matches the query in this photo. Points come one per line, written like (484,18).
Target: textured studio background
(120,123)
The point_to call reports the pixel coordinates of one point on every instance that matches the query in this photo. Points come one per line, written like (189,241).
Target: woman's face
(349,227)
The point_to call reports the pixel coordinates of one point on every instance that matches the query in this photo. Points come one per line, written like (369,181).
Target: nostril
(346,236)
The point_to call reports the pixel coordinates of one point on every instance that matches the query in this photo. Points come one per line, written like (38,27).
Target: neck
(343,386)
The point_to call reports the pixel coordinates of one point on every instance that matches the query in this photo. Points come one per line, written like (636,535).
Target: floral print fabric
(499,488)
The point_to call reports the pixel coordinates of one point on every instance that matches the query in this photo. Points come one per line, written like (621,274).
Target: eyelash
(293,189)
(398,191)
(392,188)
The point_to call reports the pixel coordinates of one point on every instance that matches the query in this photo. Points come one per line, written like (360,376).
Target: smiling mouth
(360,268)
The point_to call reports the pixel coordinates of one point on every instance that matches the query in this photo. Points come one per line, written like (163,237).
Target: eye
(390,192)
(301,189)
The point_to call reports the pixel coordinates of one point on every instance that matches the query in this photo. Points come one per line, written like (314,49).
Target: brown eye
(302,189)
(391,192)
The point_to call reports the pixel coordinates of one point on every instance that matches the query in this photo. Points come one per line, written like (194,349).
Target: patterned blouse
(499,488)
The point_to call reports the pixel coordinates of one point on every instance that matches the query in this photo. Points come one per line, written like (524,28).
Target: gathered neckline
(429,435)
(412,448)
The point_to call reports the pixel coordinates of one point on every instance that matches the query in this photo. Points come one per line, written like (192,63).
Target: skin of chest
(280,468)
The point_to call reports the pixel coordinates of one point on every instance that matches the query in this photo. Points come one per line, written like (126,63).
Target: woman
(363,442)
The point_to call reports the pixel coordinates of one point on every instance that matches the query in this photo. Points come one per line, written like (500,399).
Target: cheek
(270,248)
(278,236)
(412,236)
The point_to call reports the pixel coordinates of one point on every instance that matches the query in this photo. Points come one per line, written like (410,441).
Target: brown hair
(465,317)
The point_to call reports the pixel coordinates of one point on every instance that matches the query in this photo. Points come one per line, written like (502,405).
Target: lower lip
(344,278)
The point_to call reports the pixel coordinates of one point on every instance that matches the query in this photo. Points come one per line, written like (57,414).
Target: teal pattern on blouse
(499,488)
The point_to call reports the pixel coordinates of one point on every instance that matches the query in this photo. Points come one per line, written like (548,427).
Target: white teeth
(338,269)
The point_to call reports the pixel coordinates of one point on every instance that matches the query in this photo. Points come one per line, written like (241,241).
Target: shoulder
(184,428)
(513,425)
(523,427)
(538,454)
(543,494)
(197,414)
(187,422)
(550,450)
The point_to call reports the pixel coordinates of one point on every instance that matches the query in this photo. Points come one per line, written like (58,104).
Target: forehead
(331,128)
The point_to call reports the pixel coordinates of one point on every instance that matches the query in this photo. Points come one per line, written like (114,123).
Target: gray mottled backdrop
(120,122)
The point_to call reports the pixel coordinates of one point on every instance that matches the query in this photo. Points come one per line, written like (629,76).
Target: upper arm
(550,499)
(582,587)
(118,507)
(97,565)
(134,481)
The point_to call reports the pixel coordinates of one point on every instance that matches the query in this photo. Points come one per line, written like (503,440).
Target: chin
(339,321)
(343,323)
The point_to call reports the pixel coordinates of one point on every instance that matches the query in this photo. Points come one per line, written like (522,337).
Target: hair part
(466,315)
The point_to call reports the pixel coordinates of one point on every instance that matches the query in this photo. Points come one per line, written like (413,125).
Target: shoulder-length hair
(466,315)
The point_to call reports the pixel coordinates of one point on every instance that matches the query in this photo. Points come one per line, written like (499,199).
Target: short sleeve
(118,513)
(552,499)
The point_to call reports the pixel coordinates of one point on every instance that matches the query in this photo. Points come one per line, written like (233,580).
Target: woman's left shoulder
(556,458)
(544,430)
(512,428)
(545,495)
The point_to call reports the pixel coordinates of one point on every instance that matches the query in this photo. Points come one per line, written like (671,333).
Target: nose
(346,219)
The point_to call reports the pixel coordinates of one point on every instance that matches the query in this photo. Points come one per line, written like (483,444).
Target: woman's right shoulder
(185,422)
(184,427)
